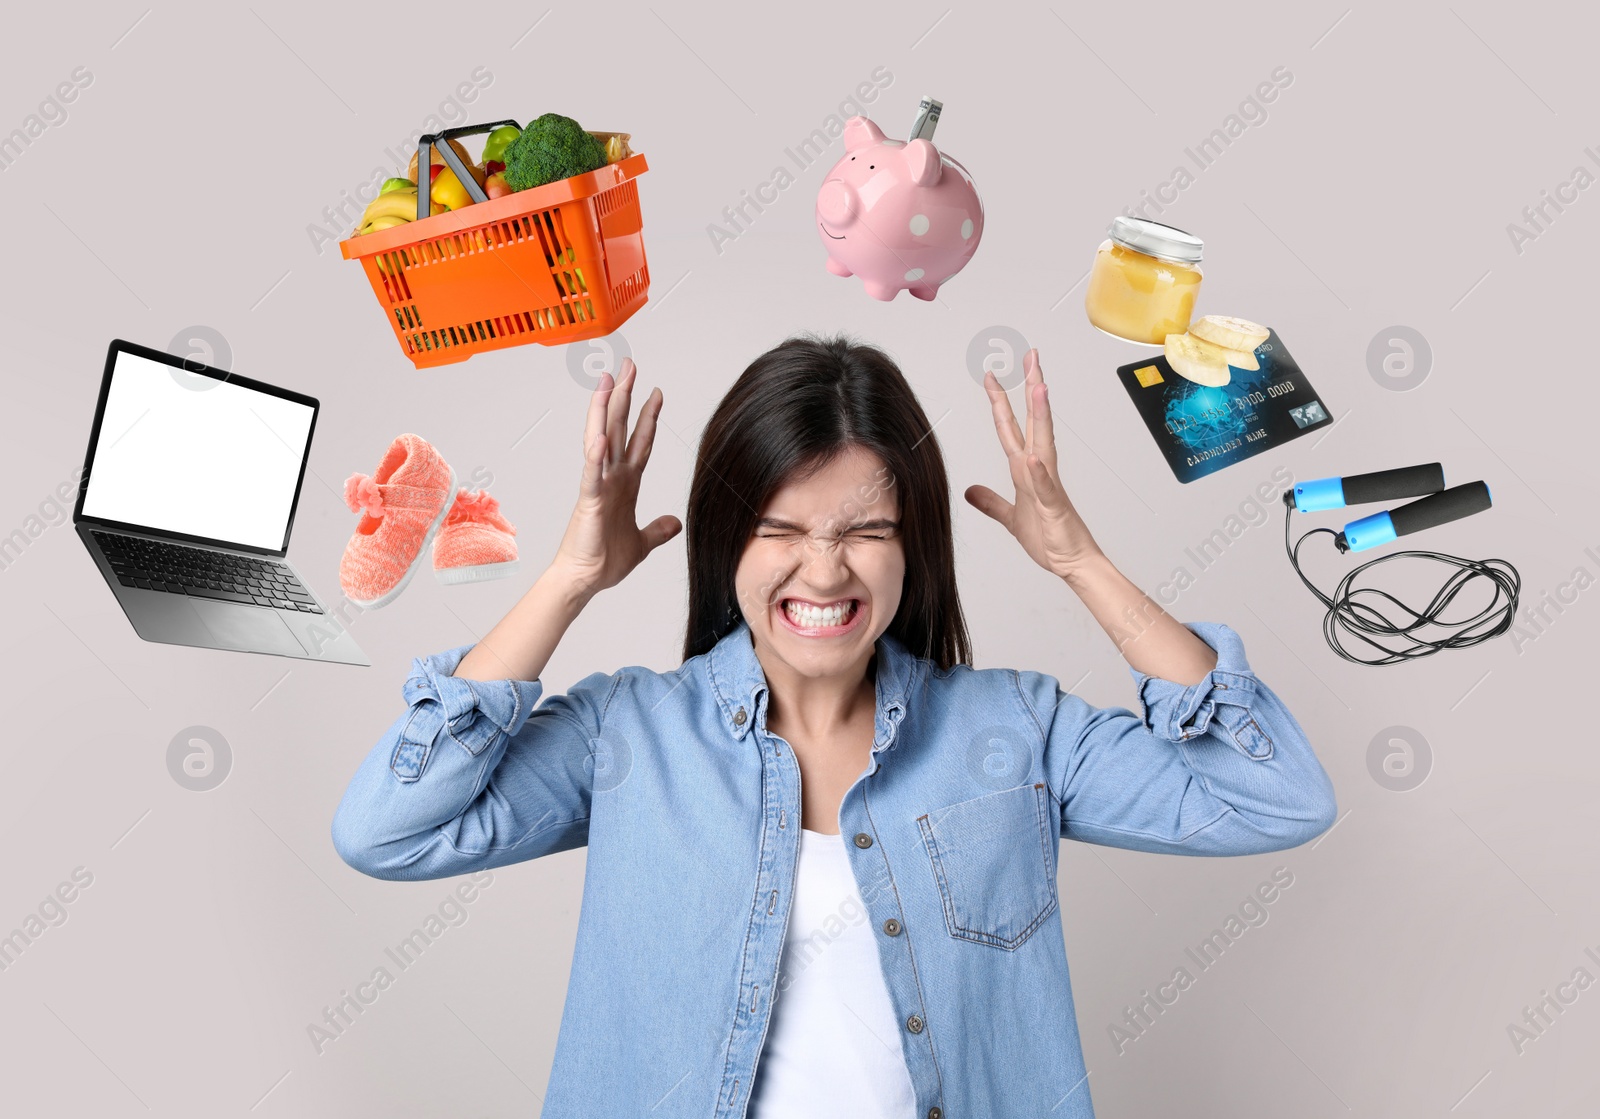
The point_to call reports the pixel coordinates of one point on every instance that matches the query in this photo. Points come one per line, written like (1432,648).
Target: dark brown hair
(791,412)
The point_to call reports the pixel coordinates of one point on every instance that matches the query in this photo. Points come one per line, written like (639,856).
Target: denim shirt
(690,810)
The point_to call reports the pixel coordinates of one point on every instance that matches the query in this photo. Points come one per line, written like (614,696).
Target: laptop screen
(178,452)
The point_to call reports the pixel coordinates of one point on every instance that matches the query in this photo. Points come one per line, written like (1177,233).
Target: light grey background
(1377,193)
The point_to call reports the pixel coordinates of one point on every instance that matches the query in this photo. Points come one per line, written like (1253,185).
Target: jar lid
(1155,239)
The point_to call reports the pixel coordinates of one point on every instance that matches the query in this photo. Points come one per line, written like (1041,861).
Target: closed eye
(844,536)
(769,535)
(773,528)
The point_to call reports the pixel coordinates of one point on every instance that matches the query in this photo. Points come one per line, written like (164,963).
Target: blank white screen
(183,454)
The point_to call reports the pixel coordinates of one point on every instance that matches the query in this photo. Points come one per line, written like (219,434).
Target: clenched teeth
(807,616)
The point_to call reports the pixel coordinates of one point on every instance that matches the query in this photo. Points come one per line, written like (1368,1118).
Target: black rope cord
(1357,614)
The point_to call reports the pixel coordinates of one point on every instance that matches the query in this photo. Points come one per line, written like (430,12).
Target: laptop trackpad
(247,627)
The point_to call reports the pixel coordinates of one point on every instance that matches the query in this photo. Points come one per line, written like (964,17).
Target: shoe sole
(394,593)
(476,573)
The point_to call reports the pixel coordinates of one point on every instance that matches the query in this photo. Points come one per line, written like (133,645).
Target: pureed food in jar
(1144,280)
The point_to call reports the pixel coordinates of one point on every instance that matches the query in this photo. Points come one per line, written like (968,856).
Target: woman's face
(821,575)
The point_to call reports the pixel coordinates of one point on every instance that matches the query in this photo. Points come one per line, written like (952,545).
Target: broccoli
(551,148)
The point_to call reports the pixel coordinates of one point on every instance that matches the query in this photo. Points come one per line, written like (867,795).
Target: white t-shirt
(833,1045)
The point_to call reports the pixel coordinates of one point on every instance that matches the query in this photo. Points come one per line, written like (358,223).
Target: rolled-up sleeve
(473,774)
(1216,768)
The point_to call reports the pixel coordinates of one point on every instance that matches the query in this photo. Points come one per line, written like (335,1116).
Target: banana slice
(1198,360)
(1242,359)
(1229,333)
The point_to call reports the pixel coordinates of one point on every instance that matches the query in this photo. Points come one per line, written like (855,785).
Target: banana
(1229,333)
(397,203)
(1198,360)
(387,221)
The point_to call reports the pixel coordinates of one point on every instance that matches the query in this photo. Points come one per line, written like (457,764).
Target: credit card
(1202,430)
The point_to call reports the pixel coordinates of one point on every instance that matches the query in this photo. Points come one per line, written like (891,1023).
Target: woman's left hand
(1042,518)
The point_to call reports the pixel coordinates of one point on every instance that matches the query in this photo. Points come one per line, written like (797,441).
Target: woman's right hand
(603,541)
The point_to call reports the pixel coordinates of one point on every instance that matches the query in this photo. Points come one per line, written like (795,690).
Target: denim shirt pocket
(992,860)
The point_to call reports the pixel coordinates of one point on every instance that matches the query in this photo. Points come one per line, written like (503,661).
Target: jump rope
(1367,625)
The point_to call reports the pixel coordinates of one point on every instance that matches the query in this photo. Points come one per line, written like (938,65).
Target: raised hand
(1042,517)
(603,542)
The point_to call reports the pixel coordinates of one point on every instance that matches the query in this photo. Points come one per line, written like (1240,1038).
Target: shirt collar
(740,684)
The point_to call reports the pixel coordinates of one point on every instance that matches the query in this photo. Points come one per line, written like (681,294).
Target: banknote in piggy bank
(900,215)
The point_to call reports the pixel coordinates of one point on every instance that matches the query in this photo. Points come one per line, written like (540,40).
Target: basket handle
(430,140)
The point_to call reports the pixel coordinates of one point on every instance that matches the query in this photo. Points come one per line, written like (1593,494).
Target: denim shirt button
(914,1024)
(863,839)
(892,927)
(934,1113)
(739,717)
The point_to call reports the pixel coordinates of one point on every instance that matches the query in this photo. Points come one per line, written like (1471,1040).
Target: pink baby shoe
(476,542)
(402,505)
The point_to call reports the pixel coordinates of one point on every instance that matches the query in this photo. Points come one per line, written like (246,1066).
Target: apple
(497,186)
(396,184)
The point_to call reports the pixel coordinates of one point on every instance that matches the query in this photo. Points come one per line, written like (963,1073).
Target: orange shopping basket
(554,264)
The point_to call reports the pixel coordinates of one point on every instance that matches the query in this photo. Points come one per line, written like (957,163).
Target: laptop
(188,494)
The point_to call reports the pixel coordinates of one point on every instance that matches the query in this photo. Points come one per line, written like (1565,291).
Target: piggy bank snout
(837,203)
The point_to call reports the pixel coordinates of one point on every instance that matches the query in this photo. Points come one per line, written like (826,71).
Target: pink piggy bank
(899,215)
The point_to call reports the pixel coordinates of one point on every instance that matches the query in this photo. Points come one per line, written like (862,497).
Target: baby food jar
(1144,281)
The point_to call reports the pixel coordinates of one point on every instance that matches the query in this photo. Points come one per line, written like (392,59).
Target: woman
(821,867)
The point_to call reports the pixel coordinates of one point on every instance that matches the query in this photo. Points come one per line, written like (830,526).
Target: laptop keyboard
(155,565)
